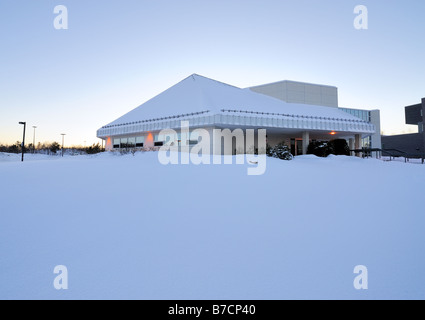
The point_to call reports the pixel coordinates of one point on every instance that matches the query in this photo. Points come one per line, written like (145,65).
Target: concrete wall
(299,92)
(413,144)
(376,120)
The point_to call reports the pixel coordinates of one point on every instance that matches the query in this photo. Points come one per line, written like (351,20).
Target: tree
(323,149)
(54,147)
(280,151)
(318,148)
(16,148)
(94,149)
(339,147)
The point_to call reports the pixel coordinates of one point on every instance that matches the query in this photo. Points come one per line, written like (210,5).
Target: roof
(197,94)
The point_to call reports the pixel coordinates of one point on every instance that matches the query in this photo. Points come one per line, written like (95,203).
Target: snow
(199,94)
(127,227)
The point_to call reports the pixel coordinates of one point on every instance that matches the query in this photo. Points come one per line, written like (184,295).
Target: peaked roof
(199,94)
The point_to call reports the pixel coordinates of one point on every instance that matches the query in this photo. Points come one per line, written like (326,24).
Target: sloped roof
(200,94)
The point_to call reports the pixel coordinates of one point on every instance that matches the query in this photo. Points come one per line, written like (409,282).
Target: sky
(116,55)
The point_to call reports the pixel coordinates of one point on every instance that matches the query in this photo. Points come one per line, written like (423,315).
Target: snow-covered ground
(129,227)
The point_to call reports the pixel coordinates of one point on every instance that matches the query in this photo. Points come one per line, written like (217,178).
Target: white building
(291,112)
(322,95)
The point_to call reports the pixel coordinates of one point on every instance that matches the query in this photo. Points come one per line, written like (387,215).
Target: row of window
(159,140)
(362,114)
(123,143)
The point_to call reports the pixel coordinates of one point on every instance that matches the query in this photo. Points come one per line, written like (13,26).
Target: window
(131,143)
(140,142)
(159,138)
(162,139)
(124,143)
(116,143)
(194,139)
(367,142)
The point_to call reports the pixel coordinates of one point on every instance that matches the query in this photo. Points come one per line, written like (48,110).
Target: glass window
(159,138)
(194,138)
(124,143)
(169,139)
(193,142)
(116,143)
(140,142)
(131,143)
(162,139)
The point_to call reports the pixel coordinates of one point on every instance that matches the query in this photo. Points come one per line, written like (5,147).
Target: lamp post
(23,140)
(33,143)
(63,140)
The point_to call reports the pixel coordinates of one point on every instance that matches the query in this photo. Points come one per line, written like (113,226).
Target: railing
(392,153)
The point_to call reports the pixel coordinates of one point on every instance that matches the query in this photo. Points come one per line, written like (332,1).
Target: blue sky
(118,54)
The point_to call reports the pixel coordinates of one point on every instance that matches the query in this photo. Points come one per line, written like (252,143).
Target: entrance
(297,147)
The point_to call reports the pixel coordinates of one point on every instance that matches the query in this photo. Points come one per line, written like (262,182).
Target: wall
(413,144)
(375,119)
(299,92)
(413,114)
(422,129)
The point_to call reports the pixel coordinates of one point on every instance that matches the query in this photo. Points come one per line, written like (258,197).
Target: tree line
(50,148)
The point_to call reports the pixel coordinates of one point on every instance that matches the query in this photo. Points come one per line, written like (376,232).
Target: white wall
(376,120)
(299,92)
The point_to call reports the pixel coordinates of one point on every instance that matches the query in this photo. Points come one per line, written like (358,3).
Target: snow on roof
(198,94)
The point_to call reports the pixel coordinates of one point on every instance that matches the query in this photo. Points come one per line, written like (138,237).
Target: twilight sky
(118,54)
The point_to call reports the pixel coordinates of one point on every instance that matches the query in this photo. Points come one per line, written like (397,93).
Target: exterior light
(33,142)
(333,133)
(23,140)
(63,140)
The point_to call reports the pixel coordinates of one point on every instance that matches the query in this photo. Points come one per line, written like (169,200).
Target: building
(290,116)
(410,144)
(322,95)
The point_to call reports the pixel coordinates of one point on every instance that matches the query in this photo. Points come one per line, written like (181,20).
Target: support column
(352,146)
(358,143)
(376,140)
(306,141)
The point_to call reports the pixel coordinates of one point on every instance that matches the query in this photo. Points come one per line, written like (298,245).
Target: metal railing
(391,153)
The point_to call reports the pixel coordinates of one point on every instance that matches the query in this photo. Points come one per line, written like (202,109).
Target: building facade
(322,95)
(211,105)
(411,144)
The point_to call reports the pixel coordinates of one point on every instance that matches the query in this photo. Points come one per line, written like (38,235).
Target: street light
(33,143)
(63,139)
(23,140)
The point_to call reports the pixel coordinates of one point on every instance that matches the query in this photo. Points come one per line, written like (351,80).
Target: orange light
(108,142)
(333,133)
(149,140)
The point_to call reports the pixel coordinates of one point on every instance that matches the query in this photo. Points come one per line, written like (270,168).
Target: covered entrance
(297,147)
